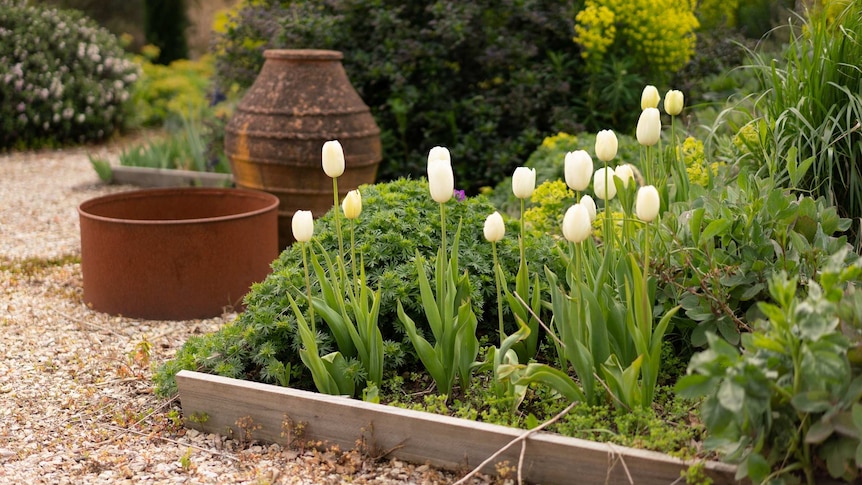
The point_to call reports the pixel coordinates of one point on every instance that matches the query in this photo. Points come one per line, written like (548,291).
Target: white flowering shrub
(63,79)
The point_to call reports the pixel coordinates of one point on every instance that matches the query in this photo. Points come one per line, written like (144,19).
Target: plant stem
(353,253)
(338,225)
(497,272)
(308,288)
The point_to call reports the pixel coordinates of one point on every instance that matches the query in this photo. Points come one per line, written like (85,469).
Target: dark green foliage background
(488,79)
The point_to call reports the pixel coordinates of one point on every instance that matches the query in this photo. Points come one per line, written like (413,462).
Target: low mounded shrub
(397,220)
(65,79)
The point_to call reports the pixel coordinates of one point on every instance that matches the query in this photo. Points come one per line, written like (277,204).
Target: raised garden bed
(270,413)
(161,177)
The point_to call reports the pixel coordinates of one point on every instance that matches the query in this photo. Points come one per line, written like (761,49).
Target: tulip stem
(338,226)
(497,272)
(353,253)
(445,261)
(308,289)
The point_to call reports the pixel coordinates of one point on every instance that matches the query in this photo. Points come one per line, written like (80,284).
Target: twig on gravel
(168,440)
(522,437)
(88,324)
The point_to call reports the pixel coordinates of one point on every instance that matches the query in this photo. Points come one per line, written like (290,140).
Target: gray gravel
(76,397)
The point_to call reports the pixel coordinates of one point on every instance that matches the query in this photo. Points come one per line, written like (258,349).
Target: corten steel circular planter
(177,253)
(301,99)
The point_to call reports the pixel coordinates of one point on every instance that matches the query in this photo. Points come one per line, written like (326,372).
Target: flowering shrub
(659,35)
(65,79)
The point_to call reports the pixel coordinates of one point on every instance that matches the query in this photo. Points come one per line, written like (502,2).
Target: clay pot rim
(87,205)
(303,54)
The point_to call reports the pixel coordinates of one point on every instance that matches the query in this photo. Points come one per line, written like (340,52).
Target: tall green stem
(353,260)
(497,272)
(308,289)
(338,224)
(445,262)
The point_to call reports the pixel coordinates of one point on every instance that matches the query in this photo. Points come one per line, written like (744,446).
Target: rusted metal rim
(303,54)
(91,208)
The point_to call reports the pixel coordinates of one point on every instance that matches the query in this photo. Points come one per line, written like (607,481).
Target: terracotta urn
(176,253)
(300,100)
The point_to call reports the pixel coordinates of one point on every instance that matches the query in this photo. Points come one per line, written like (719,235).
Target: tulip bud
(576,224)
(441,181)
(625,173)
(590,205)
(302,225)
(524,182)
(333,159)
(494,228)
(674,102)
(440,153)
(352,204)
(579,169)
(647,203)
(606,145)
(601,177)
(649,127)
(649,97)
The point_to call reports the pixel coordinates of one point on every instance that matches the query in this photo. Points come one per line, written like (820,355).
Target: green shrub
(811,107)
(398,219)
(172,91)
(65,78)
(485,78)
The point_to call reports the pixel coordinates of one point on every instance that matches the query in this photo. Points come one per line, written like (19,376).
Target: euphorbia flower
(494,228)
(650,97)
(674,102)
(333,159)
(524,182)
(576,224)
(606,145)
(352,204)
(590,205)
(647,203)
(604,177)
(649,127)
(302,225)
(441,181)
(579,169)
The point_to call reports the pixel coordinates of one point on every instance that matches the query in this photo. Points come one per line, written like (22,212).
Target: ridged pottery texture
(300,100)
(178,253)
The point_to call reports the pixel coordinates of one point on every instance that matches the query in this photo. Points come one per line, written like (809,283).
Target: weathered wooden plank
(416,436)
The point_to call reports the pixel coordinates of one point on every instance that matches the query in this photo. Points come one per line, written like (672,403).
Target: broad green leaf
(695,224)
(731,396)
(758,467)
(694,386)
(715,228)
(553,378)
(812,402)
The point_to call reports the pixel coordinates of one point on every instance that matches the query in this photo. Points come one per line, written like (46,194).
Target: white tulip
(524,182)
(625,173)
(650,97)
(441,181)
(576,224)
(579,169)
(333,159)
(649,127)
(647,203)
(602,176)
(494,228)
(590,205)
(352,204)
(674,102)
(302,225)
(606,145)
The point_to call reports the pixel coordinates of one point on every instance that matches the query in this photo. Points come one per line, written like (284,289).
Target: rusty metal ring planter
(177,253)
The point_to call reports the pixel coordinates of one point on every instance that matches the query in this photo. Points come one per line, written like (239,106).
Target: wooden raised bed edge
(215,404)
(160,177)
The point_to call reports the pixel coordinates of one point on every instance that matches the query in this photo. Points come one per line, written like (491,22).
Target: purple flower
(460,195)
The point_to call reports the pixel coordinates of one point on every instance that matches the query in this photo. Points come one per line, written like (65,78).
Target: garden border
(275,414)
(163,177)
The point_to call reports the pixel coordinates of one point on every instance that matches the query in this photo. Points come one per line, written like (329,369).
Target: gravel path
(76,399)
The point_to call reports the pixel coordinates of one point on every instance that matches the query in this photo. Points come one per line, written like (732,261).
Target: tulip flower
(604,179)
(649,127)
(302,225)
(494,228)
(647,203)
(524,182)
(649,97)
(590,205)
(674,102)
(625,173)
(606,145)
(579,169)
(333,159)
(441,180)
(352,204)
(576,224)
